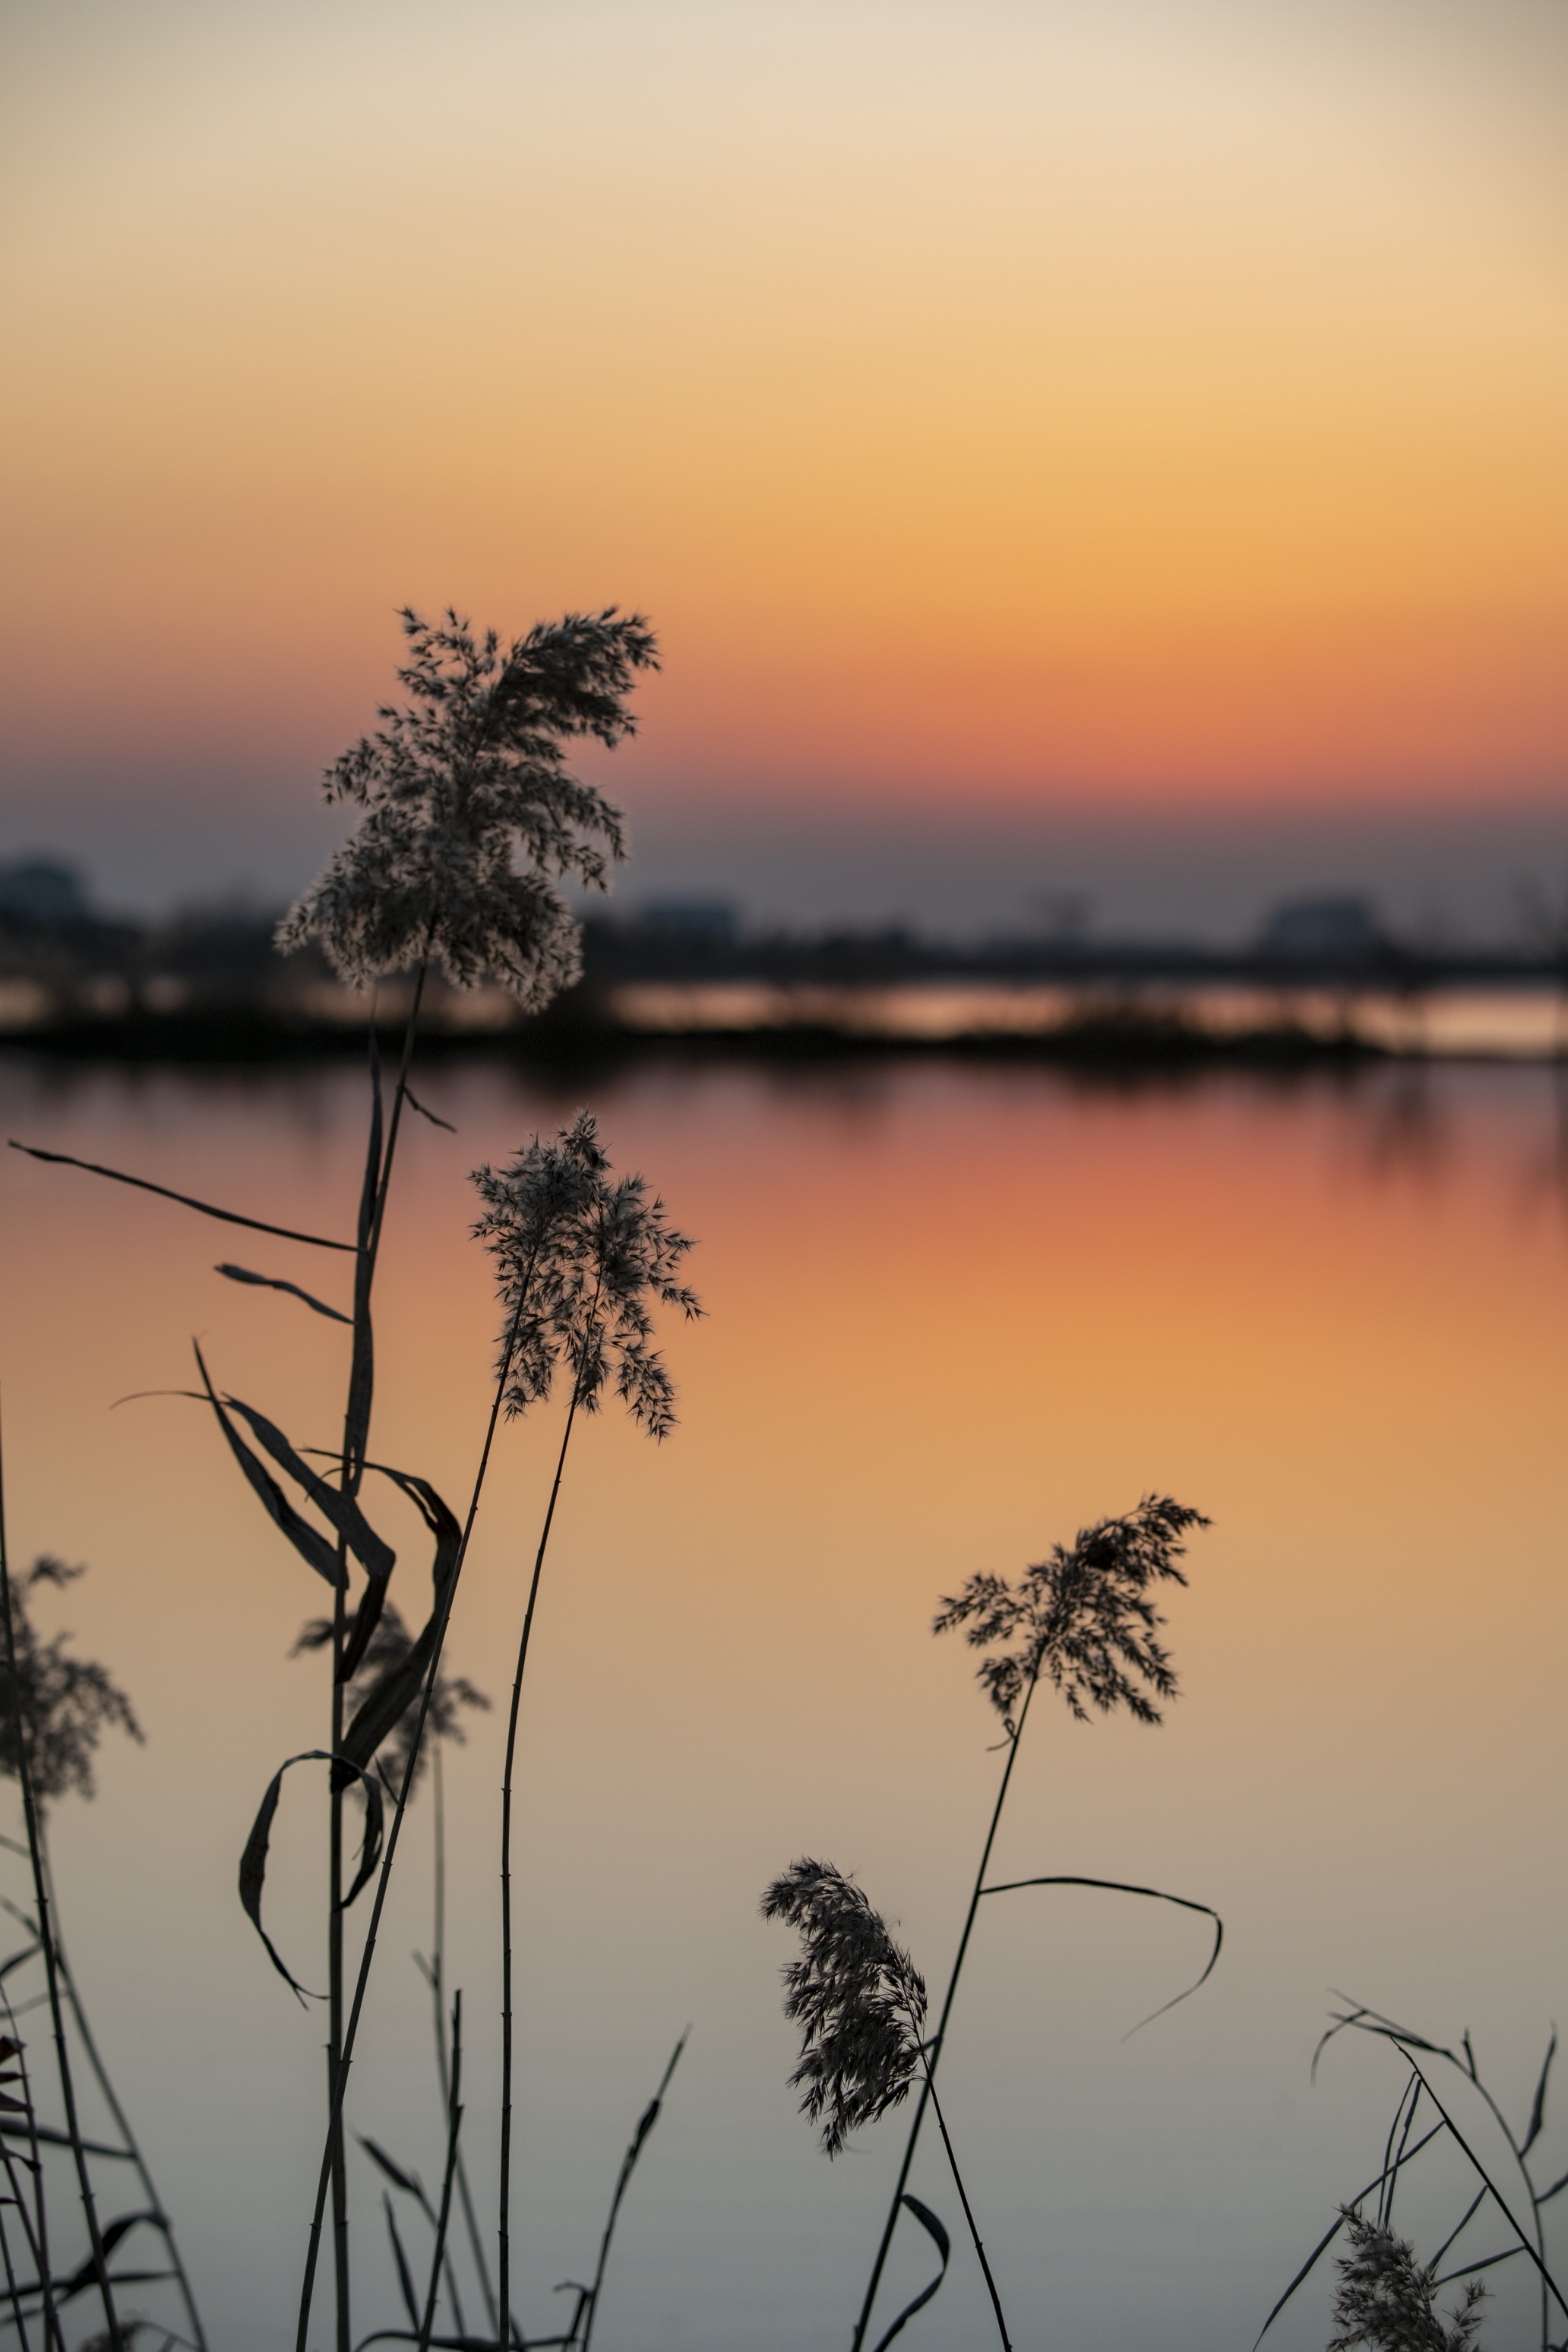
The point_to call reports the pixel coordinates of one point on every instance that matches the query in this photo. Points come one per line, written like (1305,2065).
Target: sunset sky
(1055,439)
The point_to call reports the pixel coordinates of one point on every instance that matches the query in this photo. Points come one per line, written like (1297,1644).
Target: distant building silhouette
(1321,931)
(41,890)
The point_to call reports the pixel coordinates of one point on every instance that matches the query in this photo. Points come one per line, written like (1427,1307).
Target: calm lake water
(954,1314)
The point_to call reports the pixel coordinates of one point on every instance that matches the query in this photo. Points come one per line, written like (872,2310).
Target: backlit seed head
(856,1996)
(471,817)
(1086,1621)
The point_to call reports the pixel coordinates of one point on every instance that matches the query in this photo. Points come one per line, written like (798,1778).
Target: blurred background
(1097,471)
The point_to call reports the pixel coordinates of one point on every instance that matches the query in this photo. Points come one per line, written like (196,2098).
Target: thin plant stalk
(504,2256)
(590,2309)
(39,2236)
(356,1436)
(933,2051)
(436,1975)
(395,1832)
(13,2292)
(45,1928)
(121,2121)
(454,2127)
(964,2200)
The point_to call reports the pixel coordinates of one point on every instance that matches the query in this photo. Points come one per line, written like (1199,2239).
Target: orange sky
(1024,405)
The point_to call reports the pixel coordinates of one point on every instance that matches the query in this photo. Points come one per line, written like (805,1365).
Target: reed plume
(581,1262)
(60,1704)
(1085,1620)
(857,1996)
(1387,2302)
(860,2003)
(462,779)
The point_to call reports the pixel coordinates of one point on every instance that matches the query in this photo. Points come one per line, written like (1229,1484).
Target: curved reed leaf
(1482,2174)
(377,1558)
(1538,2107)
(253,1861)
(203,1208)
(1117,1886)
(404,2275)
(311,1546)
(934,2229)
(270,1282)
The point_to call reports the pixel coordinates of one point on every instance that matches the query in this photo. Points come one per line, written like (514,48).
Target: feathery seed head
(461,781)
(856,1996)
(1085,1616)
(1387,2302)
(66,1702)
(582,1260)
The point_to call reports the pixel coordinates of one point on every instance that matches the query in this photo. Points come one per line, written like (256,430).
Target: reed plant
(1085,1621)
(55,1707)
(469,820)
(1382,2285)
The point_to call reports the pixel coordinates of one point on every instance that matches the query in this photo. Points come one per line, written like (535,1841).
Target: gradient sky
(1088,413)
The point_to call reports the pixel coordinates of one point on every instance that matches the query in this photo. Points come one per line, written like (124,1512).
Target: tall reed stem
(504,2256)
(964,2200)
(356,1439)
(437,1976)
(933,2053)
(368,1953)
(47,1938)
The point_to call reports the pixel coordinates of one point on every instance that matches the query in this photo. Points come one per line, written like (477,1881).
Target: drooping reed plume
(581,1262)
(1086,1621)
(860,2004)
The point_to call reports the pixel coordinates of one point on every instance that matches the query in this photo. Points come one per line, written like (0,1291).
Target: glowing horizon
(1083,407)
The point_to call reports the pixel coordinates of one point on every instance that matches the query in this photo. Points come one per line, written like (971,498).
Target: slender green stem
(964,2200)
(39,2236)
(47,1938)
(436,1974)
(384,1878)
(399,1097)
(590,2307)
(341,2272)
(454,2126)
(935,2047)
(356,1438)
(503,2265)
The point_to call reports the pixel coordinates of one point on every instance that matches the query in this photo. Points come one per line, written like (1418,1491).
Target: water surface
(954,1314)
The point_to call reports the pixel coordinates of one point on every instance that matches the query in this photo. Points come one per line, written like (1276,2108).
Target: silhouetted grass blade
(86,2273)
(589,2303)
(1482,2174)
(1538,2108)
(253,1861)
(1156,1894)
(393,2171)
(203,1208)
(311,1546)
(412,1099)
(404,2275)
(376,1557)
(270,1282)
(938,2234)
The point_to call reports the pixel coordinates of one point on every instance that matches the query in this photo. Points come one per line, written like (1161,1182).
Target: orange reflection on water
(953,1314)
